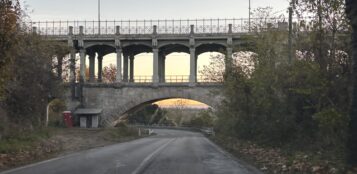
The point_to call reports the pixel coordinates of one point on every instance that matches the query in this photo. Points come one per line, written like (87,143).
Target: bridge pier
(100,67)
(131,58)
(82,65)
(155,77)
(125,73)
(193,65)
(162,59)
(119,66)
(91,67)
(228,60)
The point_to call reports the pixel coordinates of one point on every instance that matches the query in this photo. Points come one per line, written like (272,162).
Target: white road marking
(36,164)
(149,157)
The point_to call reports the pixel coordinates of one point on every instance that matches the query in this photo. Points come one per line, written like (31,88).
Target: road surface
(168,152)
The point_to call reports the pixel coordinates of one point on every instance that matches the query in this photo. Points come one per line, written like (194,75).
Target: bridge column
(72,73)
(163,70)
(193,65)
(119,75)
(100,67)
(131,58)
(162,58)
(72,66)
(155,77)
(228,60)
(125,76)
(82,65)
(91,67)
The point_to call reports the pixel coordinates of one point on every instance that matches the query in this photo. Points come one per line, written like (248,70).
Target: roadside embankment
(52,142)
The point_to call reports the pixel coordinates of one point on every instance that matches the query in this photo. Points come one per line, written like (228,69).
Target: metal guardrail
(204,26)
(205,130)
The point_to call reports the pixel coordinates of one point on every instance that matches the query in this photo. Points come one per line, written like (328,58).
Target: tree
(280,103)
(27,79)
(32,82)
(214,72)
(110,73)
(325,21)
(351,9)
(10,14)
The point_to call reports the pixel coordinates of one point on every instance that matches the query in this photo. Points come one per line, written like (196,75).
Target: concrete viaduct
(129,38)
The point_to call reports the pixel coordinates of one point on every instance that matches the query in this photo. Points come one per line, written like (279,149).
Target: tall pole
(290,34)
(98,17)
(249,14)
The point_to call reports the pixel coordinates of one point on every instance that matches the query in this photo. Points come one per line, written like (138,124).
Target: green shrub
(332,126)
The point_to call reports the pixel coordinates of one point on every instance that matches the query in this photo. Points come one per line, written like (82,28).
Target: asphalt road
(168,152)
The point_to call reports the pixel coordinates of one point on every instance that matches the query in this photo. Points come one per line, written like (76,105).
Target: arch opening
(210,67)
(177,67)
(166,112)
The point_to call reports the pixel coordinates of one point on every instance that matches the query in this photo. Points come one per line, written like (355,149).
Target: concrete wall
(116,101)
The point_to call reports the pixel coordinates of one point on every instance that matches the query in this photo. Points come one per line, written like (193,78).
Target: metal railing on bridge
(203,26)
(172,79)
(176,79)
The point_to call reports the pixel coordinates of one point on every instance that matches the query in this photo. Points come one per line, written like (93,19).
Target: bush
(332,127)
(57,107)
(204,119)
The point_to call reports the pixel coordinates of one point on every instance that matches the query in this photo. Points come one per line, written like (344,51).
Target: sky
(176,63)
(145,9)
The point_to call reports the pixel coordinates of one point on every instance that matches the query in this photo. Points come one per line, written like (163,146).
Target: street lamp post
(249,15)
(98,17)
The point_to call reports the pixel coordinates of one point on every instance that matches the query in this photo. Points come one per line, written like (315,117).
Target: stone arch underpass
(115,101)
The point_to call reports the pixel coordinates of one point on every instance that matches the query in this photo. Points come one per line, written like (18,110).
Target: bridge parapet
(147,27)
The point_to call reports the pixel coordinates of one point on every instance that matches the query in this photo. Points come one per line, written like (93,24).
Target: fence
(203,26)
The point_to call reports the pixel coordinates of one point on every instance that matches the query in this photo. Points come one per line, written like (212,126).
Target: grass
(121,132)
(23,141)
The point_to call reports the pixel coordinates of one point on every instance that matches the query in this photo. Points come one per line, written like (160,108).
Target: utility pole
(249,14)
(98,17)
(290,34)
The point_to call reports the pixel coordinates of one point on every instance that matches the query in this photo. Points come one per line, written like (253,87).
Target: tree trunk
(59,67)
(351,9)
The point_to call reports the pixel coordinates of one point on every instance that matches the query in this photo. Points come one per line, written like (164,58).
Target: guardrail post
(34,30)
(154,30)
(70,29)
(230,29)
(117,30)
(81,30)
(192,29)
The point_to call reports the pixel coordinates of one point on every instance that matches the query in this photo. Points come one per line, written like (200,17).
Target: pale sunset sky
(176,63)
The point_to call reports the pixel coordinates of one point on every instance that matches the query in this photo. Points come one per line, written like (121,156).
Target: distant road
(168,152)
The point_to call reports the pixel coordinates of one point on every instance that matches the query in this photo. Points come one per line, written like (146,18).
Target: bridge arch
(89,45)
(210,47)
(168,43)
(174,47)
(116,102)
(135,49)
